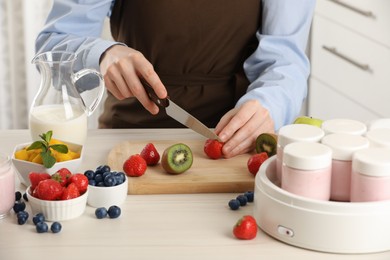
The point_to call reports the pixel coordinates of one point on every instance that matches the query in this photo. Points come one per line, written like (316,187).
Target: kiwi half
(177,158)
(267,142)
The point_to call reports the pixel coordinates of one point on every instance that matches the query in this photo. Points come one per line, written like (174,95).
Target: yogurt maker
(327,226)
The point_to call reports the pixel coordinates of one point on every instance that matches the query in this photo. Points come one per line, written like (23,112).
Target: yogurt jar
(307,170)
(7,185)
(343,148)
(379,137)
(345,126)
(295,133)
(370,179)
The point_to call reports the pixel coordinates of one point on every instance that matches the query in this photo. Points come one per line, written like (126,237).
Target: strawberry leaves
(47,157)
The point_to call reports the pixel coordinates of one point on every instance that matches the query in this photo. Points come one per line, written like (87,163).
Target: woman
(238,66)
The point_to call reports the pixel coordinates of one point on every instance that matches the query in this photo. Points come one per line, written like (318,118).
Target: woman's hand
(240,127)
(121,67)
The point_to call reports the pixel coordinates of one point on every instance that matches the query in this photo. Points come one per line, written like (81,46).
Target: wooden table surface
(170,226)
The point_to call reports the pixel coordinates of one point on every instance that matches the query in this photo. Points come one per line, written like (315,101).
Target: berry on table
(56,227)
(114,211)
(42,227)
(19,206)
(25,197)
(101,213)
(22,217)
(242,199)
(234,204)
(213,148)
(18,195)
(249,195)
(38,218)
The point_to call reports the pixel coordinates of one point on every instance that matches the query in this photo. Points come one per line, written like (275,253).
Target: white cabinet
(350,57)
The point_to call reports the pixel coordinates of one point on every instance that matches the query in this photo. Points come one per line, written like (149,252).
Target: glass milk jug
(58,105)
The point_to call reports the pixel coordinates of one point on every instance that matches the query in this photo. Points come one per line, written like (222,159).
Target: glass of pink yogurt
(7,185)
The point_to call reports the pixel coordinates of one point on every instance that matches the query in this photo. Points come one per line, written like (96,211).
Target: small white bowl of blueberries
(106,187)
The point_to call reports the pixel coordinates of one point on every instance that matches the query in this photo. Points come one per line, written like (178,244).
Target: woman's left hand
(240,127)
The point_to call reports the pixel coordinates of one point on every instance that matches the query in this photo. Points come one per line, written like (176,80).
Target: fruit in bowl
(61,196)
(106,187)
(32,157)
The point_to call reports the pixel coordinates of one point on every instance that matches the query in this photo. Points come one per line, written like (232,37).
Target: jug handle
(81,73)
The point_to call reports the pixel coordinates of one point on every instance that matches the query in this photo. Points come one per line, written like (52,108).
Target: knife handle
(152,95)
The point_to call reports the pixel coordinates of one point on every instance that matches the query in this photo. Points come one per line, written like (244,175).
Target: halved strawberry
(81,182)
(62,176)
(135,166)
(213,148)
(255,161)
(150,154)
(70,192)
(49,190)
(36,177)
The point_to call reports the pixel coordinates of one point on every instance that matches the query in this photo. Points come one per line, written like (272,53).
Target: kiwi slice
(177,158)
(267,142)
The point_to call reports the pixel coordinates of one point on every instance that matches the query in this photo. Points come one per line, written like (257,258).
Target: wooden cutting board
(205,175)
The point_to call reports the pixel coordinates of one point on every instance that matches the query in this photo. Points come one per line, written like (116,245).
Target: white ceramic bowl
(60,209)
(23,168)
(107,196)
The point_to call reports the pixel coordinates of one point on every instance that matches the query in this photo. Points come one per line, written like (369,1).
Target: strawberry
(36,177)
(49,190)
(81,182)
(255,161)
(135,166)
(245,228)
(213,148)
(150,154)
(62,176)
(70,192)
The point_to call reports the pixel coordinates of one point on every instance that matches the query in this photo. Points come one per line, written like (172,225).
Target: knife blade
(178,113)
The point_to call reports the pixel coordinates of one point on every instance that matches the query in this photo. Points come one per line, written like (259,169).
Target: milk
(68,123)
(7,186)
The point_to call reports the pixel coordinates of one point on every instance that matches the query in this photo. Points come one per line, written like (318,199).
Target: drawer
(327,103)
(367,17)
(344,69)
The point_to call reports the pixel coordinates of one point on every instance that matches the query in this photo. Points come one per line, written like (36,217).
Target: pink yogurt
(295,133)
(307,170)
(370,179)
(7,185)
(343,147)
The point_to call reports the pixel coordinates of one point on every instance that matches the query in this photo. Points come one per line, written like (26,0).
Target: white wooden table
(191,226)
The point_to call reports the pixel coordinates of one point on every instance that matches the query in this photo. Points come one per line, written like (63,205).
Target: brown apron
(197,47)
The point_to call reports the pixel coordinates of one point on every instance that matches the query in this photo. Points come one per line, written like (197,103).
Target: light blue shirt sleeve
(278,70)
(76,25)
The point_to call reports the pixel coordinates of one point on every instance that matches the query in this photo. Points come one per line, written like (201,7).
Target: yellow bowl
(23,168)
(58,210)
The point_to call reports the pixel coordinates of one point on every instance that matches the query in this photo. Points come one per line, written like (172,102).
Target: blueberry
(42,227)
(114,211)
(38,218)
(120,177)
(18,195)
(105,174)
(55,227)
(234,204)
(22,217)
(19,206)
(249,195)
(109,181)
(101,213)
(103,168)
(92,182)
(98,178)
(25,196)
(89,174)
(100,184)
(242,199)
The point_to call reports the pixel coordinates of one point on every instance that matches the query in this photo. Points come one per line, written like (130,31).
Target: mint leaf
(36,145)
(59,148)
(48,159)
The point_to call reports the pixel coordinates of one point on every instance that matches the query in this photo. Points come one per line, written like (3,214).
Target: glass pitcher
(58,105)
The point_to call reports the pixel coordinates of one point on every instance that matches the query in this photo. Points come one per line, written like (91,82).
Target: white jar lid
(379,123)
(379,137)
(344,145)
(299,133)
(372,162)
(307,155)
(346,126)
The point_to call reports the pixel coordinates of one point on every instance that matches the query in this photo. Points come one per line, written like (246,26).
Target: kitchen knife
(178,113)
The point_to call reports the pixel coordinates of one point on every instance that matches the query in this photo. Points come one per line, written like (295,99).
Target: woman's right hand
(122,67)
